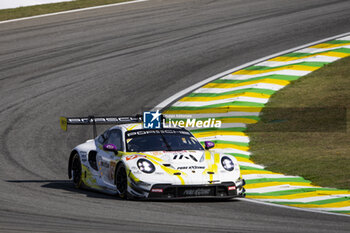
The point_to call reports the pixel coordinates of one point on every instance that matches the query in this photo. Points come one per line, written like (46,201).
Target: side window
(115,137)
(102,138)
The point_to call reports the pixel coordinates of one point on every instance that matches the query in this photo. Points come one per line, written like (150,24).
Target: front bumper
(225,190)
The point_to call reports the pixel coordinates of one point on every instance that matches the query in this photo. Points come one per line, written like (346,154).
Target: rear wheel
(121,181)
(76,171)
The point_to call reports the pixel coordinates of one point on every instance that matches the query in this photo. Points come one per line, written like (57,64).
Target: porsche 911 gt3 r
(166,163)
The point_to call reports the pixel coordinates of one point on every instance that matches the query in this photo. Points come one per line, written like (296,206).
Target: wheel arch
(70,163)
(119,163)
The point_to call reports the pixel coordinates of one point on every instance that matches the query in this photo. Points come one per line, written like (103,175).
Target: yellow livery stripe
(168,170)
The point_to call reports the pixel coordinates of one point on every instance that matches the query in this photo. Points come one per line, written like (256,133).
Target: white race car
(167,163)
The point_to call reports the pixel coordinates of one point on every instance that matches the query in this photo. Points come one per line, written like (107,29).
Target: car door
(106,159)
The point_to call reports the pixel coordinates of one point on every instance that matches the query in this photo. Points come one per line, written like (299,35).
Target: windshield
(161,140)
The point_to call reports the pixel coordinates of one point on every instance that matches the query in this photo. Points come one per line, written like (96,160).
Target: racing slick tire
(76,171)
(121,181)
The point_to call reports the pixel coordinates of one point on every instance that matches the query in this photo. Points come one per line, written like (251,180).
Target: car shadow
(68,186)
(195,200)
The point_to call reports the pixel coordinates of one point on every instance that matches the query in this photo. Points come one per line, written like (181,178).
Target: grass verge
(21,12)
(321,156)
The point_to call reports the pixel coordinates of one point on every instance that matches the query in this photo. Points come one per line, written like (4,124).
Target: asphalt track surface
(120,60)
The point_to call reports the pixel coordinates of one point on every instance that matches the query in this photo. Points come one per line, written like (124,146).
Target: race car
(139,163)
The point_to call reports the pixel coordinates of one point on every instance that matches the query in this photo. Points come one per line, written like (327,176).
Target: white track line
(321,50)
(291,207)
(304,200)
(345,38)
(72,11)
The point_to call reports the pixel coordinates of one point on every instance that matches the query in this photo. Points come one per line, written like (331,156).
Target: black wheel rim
(122,180)
(76,169)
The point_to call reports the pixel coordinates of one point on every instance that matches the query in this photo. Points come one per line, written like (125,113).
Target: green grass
(322,156)
(21,12)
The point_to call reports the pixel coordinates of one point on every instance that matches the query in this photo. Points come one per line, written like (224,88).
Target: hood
(182,160)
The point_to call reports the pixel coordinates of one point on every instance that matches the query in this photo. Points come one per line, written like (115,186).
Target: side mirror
(209,144)
(110,147)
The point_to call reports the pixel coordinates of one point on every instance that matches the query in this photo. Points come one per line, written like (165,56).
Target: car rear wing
(92,120)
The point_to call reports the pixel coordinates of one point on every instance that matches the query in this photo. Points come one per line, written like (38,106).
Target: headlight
(145,166)
(227,163)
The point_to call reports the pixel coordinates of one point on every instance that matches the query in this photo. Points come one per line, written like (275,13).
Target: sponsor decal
(90,120)
(162,131)
(156,190)
(135,170)
(152,120)
(112,165)
(157,153)
(197,192)
(155,120)
(193,123)
(83,154)
(131,157)
(104,164)
(177,151)
(231,188)
(181,156)
(190,167)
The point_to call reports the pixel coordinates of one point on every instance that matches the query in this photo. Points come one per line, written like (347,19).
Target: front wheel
(76,171)
(121,181)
